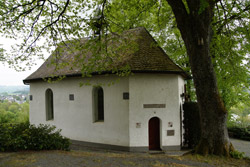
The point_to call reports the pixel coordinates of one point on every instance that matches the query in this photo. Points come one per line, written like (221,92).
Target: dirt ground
(101,158)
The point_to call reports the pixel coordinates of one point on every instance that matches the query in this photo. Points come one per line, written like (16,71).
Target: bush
(239,132)
(14,137)
(237,155)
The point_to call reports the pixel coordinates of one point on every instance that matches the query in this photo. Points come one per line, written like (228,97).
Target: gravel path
(101,158)
(242,146)
(91,159)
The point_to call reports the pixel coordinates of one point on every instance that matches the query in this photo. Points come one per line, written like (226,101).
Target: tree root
(204,148)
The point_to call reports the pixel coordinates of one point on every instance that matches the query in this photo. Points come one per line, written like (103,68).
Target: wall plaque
(170,132)
(154,105)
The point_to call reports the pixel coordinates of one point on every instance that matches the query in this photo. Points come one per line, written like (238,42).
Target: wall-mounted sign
(154,105)
(170,132)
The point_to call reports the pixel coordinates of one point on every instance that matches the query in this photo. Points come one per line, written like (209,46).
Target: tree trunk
(214,135)
(196,32)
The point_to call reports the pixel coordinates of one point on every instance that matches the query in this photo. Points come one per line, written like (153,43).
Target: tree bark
(196,31)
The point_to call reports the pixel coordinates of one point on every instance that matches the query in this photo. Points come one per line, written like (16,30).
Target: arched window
(49,105)
(98,104)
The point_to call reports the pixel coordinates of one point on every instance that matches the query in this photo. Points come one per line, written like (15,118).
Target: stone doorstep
(169,153)
(156,152)
(177,153)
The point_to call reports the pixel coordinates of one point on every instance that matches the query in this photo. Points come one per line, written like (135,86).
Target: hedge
(239,133)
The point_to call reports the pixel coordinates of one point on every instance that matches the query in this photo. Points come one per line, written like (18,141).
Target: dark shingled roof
(147,58)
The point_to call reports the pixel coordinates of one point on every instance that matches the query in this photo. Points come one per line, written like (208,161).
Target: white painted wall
(154,89)
(75,117)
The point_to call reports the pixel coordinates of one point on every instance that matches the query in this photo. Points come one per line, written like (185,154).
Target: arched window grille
(98,104)
(49,105)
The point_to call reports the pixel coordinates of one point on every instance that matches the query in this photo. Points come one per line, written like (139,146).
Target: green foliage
(1,53)
(239,116)
(203,5)
(12,112)
(14,137)
(232,70)
(239,122)
(237,155)
(229,50)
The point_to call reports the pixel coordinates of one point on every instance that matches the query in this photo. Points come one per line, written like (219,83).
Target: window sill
(50,120)
(100,121)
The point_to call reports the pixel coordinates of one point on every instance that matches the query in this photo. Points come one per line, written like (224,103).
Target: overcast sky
(9,76)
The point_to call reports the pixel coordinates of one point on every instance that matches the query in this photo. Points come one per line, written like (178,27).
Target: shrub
(239,133)
(237,155)
(14,137)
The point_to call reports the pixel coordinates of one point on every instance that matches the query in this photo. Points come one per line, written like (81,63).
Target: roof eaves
(182,73)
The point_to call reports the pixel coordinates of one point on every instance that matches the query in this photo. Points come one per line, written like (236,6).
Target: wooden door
(154,133)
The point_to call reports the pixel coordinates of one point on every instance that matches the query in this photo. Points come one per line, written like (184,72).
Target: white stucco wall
(154,89)
(75,118)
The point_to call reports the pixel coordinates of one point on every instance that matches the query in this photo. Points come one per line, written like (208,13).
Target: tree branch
(213,2)
(18,6)
(236,16)
(36,20)
(178,8)
(24,13)
(49,25)
(180,13)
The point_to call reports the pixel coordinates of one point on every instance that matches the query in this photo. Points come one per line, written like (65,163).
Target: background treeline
(239,121)
(14,89)
(239,116)
(12,112)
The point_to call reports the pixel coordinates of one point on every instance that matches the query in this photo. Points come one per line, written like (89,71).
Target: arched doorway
(154,134)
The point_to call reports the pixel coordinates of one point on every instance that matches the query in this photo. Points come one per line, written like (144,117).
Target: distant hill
(24,89)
